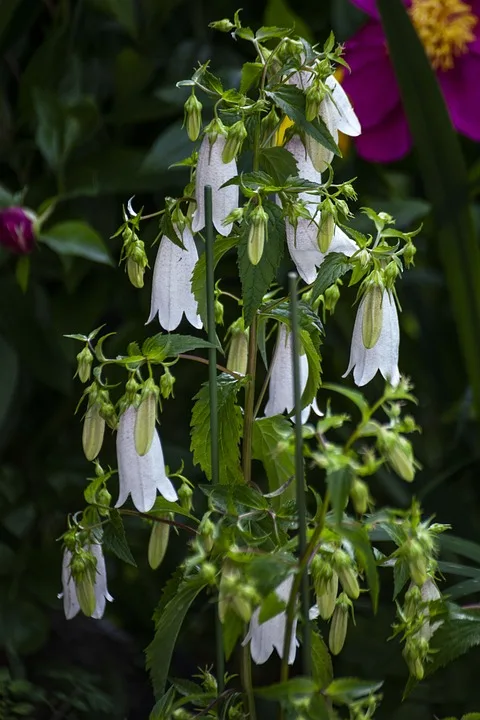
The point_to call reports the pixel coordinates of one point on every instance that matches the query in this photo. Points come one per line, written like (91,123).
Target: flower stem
(247,682)
(249,403)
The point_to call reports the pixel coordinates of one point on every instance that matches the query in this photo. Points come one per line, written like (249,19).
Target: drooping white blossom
(172,288)
(383,355)
(269,636)
(280,388)
(71,605)
(140,475)
(211,170)
(302,241)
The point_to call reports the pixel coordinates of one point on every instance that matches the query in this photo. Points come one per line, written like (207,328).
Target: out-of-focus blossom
(450,33)
(17,230)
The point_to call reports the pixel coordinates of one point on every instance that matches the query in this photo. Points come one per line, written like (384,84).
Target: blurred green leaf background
(89,116)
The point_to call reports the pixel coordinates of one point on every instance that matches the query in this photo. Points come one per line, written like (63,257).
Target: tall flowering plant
(284,556)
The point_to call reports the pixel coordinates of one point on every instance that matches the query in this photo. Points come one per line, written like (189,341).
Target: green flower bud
(399,453)
(84,364)
(409,254)
(414,653)
(235,137)
(364,258)
(182,714)
(256,237)
(104,498)
(372,316)
(417,563)
(131,388)
(325,231)
(93,431)
(209,572)
(318,154)
(326,594)
(207,533)
(413,601)
(391,273)
(346,573)
(185,494)
(360,496)
(339,625)
(214,129)
(238,352)
(228,588)
(83,567)
(331,296)
(218,312)
(268,127)
(167,381)
(222,25)
(146,417)
(193,116)
(314,96)
(135,273)
(158,543)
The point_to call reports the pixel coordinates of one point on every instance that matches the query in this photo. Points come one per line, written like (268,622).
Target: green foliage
(115,540)
(332,268)
(76,238)
(230,429)
(272,446)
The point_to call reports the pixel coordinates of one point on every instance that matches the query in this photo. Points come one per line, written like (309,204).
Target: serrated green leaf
(161,346)
(279,463)
(339,483)
(347,690)
(114,538)
(167,228)
(163,707)
(199,275)
(271,606)
(230,423)
(232,630)
(291,100)
(256,279)
(279,163)
(162,506)
(459,631)
(332,268)
(311,341)
(401,575)
(167,627)
(251,74)
(358,536)
(264,33)
(321,662)
(289,690)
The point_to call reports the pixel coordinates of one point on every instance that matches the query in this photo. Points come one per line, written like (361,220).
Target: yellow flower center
(445,28)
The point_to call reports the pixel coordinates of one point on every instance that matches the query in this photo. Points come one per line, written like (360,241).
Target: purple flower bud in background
(17,230)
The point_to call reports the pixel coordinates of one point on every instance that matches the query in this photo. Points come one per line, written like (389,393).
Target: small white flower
(211,170)
(71,605)
(171,288)
(280,388)
(140,475)
(383,355)
(302,241)
(269,636)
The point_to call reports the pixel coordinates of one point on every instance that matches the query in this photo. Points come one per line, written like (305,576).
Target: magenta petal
(388,141)
(371,85)
(367,6)
(461,88)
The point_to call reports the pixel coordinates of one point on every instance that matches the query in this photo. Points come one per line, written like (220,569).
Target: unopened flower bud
(222,25)
(314,96)
(372,316)
(131,388)
(360,496)
(238,352)
(235,137)
(167,381)
(218,312)
(339,625)
(185,494)
(318,154)
(17,230)
(346,573)
(364,258)
(325,231)
(391,273)
(135,272)
(214,129)
(235,216)
(209,572)
(83,568)
(146,417)
(206,531)
(158,543)
(399,454)
(413,601)
(414,653)
(84,364)
(268,127)
(104,499)
(331,297)
(409,253)
(228,588)
(326,588)
(193,116)
(417,563)
(93,431)
(258,230)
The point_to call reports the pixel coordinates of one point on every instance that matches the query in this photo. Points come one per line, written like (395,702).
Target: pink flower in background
(450,33)
(17,230)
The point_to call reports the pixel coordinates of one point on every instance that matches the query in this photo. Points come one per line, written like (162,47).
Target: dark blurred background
(89,113)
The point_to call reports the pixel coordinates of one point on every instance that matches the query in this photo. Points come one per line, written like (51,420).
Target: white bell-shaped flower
(140,475)
(71,605)
(269,636)
(172,288)
(302,241)
(383,356)
(211,170)
(280,388)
